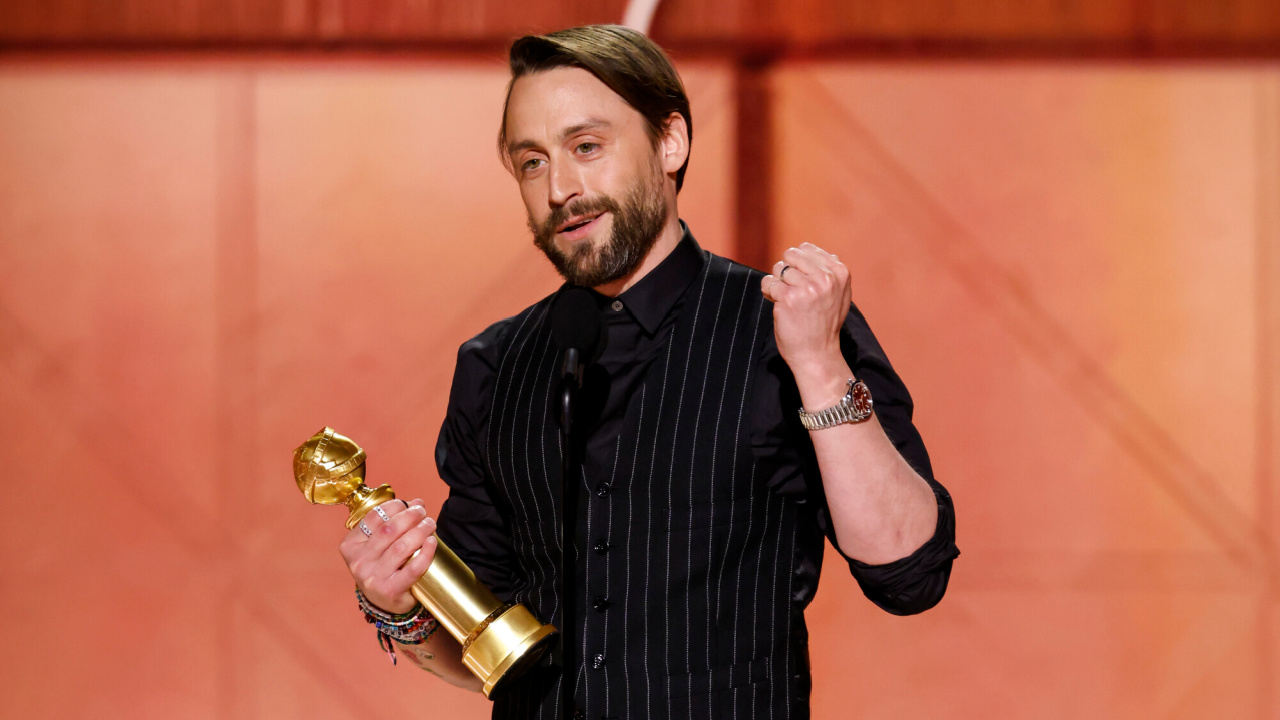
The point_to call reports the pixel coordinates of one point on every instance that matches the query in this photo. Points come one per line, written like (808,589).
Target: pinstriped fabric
(682,548)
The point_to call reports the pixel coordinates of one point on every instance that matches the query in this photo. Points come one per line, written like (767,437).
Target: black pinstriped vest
(695,555)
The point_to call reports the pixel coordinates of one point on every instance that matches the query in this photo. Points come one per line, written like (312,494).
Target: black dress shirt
(639,324)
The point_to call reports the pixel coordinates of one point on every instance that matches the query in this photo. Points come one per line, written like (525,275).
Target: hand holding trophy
(499,641)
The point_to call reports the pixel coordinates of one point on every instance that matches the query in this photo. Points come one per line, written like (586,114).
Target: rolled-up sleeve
(905,586)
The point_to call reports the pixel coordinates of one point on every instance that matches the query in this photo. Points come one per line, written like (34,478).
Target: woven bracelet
(412,628)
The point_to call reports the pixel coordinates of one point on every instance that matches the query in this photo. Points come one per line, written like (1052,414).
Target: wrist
(411,628)
(822,380)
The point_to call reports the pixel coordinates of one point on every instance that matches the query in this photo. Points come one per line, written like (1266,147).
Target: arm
(441,656)
(384,568)
(881,509)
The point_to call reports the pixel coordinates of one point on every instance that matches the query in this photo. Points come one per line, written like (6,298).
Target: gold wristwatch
(854,407)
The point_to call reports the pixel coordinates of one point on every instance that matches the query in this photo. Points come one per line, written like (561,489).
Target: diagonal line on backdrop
(489,303)
(312,661)
(1045,339)
(424,379)
(123,456)
(104,437)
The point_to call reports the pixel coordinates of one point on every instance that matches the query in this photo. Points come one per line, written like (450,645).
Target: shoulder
(745,281)
(734,270)
(476,373)
(742,280)
(485,350)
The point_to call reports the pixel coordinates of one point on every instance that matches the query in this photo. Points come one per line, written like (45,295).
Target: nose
(565,183)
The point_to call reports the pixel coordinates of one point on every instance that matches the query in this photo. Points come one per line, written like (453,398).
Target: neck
(668,239)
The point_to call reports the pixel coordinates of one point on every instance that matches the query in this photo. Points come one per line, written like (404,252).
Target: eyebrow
(589,124)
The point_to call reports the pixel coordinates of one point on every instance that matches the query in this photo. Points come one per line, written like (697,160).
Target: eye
(587,147)
(530,164)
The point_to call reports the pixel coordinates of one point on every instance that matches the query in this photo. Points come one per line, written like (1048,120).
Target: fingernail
(431,540)
(420,509)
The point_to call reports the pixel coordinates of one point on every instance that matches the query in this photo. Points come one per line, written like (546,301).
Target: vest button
(603,489)
(597,661)
(601,603)
(602,547)
(617,305)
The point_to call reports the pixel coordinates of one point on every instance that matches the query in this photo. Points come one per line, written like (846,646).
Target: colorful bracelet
(412,628)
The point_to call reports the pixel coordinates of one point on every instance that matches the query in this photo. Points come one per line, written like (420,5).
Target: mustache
(584,206)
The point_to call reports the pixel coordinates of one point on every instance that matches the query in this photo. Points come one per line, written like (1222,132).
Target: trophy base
(513,642)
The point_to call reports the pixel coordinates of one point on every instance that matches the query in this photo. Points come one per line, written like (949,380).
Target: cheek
(535,203)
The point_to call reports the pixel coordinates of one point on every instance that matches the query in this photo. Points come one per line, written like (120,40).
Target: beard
(637,221)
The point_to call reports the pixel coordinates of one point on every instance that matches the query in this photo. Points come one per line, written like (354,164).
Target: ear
(673,145)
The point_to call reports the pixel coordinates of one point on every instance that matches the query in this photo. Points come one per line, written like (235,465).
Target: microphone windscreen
(576,321)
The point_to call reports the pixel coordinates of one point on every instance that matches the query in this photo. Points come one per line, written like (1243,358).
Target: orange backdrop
(1075,268)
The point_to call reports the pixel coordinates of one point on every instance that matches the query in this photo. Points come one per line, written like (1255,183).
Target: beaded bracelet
(412,628)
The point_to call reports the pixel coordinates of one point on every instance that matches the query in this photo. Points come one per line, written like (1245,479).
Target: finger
(805,261)
(351,544)
(387,533)
(817,251)
(406,545)
(774,290)
(781,271)
(829,260)
(416,566)
(391,508)
(374,520)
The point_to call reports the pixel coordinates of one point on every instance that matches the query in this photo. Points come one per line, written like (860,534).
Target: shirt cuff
(918,581)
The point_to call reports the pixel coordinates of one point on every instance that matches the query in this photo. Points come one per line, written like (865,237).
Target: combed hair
(627,61)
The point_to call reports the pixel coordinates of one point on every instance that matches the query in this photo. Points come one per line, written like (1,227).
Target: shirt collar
(653,296)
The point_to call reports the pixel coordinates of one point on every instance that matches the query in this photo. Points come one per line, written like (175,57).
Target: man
(702,499)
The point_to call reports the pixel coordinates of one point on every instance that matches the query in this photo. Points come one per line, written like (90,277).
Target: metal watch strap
(854,407)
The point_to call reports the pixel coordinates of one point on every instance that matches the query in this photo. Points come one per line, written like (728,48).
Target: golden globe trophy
(499,641)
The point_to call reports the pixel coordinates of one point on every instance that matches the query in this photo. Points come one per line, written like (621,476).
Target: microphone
(578,330)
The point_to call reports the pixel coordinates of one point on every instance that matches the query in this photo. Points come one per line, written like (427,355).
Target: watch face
(862,399)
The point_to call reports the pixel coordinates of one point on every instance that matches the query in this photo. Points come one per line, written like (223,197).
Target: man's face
(589,175)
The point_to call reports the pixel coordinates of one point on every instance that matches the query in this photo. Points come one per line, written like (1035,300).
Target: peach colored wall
(203,261)
(1064,265)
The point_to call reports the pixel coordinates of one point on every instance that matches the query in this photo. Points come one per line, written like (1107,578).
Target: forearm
(881,509)
(441,656)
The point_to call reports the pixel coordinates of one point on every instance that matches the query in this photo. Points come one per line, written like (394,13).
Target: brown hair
(627,61)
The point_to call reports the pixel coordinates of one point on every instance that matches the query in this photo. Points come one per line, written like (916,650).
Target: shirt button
(602,547)
(597,661)
(603,489)
(617,305)
(601,603)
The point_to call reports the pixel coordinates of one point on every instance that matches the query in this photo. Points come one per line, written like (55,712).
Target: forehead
(542,104)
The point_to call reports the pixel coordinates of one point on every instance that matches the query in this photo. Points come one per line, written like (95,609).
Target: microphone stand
(571,381)
(577,326)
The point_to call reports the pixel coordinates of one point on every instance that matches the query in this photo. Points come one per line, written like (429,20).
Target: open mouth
(578,224)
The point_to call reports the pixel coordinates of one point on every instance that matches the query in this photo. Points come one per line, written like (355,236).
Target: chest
(666,431)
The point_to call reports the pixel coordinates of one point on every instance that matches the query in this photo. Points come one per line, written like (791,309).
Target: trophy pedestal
(507,647)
